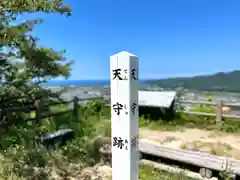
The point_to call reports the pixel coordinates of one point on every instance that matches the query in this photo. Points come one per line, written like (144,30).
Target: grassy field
(192,121)
(21,158)
(147,173)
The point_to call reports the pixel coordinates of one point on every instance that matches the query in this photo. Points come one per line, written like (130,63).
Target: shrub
(23,158)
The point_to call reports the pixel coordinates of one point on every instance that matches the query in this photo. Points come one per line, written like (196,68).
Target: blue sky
(170,37)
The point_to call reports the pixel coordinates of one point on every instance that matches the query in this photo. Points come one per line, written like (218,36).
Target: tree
(24,65)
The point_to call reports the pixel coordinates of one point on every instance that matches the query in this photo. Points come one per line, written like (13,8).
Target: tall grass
(21,157)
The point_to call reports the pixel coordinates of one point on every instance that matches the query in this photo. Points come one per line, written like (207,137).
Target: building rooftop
(156,99)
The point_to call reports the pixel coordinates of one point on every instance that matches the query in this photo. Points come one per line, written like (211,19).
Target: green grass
(22,159)
(147,173)
(192,121)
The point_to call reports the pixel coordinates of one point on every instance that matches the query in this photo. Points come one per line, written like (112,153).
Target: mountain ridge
(220,81)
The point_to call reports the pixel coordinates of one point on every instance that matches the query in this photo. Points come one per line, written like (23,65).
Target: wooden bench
(59,137)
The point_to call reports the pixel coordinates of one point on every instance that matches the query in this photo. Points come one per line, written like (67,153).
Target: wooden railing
(218,106)
(41,109)
(219,113)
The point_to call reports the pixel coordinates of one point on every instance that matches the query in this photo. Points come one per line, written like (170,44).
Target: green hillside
(222,81)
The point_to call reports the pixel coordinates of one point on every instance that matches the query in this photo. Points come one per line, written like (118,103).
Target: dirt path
(217,143)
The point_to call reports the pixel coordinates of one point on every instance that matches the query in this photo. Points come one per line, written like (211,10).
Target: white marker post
(124,114)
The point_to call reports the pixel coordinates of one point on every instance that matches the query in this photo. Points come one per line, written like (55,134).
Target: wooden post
(124,116)
(75,108)
(37,104)
(219,111)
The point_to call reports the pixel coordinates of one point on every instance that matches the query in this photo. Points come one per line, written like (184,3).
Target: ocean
(80,83)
